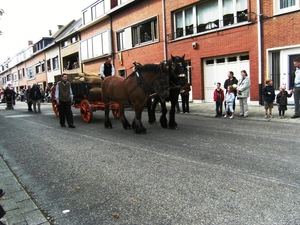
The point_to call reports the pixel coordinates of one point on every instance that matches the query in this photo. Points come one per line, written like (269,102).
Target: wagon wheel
(115,111)
(54,105)
(86,111)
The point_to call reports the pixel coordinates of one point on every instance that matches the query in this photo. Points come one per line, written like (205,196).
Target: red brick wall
(232,41)
(279,31)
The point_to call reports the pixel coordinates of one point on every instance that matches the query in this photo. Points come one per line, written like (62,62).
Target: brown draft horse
(135,90)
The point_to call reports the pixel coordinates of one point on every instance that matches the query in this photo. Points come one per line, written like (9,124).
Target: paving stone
(15,217)
(34,217)
(26,206)
(9,204)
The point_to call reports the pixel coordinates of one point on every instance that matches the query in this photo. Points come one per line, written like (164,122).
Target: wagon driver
(107,69)
(64,99)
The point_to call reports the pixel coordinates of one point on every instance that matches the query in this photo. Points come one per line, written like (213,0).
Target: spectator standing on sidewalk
(36,97)
(229,99)
(295,87)
(243,90)
(185,94)
(269,96)
(219,98)
(281,100)
(230,82)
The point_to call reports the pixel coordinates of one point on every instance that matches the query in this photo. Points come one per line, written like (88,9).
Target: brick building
(216,36)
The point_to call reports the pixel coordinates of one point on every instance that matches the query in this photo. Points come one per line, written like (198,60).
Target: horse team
(147,85)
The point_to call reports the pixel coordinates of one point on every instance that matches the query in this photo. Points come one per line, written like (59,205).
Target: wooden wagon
(84,99)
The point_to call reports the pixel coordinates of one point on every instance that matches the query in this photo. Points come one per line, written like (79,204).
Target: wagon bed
(86,101)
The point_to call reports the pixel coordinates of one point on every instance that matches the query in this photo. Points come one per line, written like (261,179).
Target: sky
(25,20)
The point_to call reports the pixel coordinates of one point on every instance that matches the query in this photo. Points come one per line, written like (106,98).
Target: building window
(37,69)
(48,65)
(30,74)
(124,39)
(96,46)
(144,32)
(55,63)
(64,44)
(20,74)
(9,77)
(74,39)
(209,15)
(15,76)
(287,3)
(95,11)
(284,6)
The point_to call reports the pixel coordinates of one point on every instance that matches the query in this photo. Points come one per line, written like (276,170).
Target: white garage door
(216,70)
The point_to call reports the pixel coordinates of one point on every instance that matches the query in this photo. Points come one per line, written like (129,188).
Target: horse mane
(147,68)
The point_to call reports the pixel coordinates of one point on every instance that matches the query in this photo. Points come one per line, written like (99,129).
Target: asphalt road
(209,171)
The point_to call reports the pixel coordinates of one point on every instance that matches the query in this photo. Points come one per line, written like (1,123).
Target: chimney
(30,43)
(59,26)
(50,33)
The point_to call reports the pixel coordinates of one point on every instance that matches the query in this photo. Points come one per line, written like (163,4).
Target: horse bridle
(173,73)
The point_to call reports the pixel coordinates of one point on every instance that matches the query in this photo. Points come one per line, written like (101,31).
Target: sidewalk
(256,112)
(20,209)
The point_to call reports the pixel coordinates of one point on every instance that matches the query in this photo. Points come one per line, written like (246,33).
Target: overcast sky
(25,20)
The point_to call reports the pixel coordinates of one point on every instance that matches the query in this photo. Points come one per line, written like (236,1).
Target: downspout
(111,40)
(164,29)
(260,47)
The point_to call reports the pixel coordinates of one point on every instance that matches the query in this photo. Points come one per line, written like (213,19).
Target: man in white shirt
(295,87)
(107,69)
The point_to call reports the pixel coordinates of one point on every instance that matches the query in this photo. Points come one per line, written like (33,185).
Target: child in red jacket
(219,98)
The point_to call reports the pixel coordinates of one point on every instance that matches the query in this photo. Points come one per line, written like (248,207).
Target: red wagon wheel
(86,111)
(115,111)
(54,105)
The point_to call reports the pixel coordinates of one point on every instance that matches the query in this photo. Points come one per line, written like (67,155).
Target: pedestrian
(36,97)
(28,99)
(219,98)
(64,99)
(281,100)
(243,90)
(2,211)
(9,95)
(269,96)
(295,87)
(229,98)
(107,69)
(230,82)
(185,94)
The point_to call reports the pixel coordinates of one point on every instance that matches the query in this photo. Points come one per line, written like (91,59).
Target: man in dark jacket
(36,97)
(229,82)
(9,95)
(295,87)
(64,99)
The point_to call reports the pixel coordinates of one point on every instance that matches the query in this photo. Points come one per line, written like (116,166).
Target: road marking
(17,116)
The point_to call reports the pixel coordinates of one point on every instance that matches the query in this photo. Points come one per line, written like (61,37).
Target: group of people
(240,89)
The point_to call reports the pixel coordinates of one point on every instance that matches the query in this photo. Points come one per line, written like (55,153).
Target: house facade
(215,36)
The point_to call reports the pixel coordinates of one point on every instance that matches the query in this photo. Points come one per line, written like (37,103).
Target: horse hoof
(152,123)
(174,128)
(108,127)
